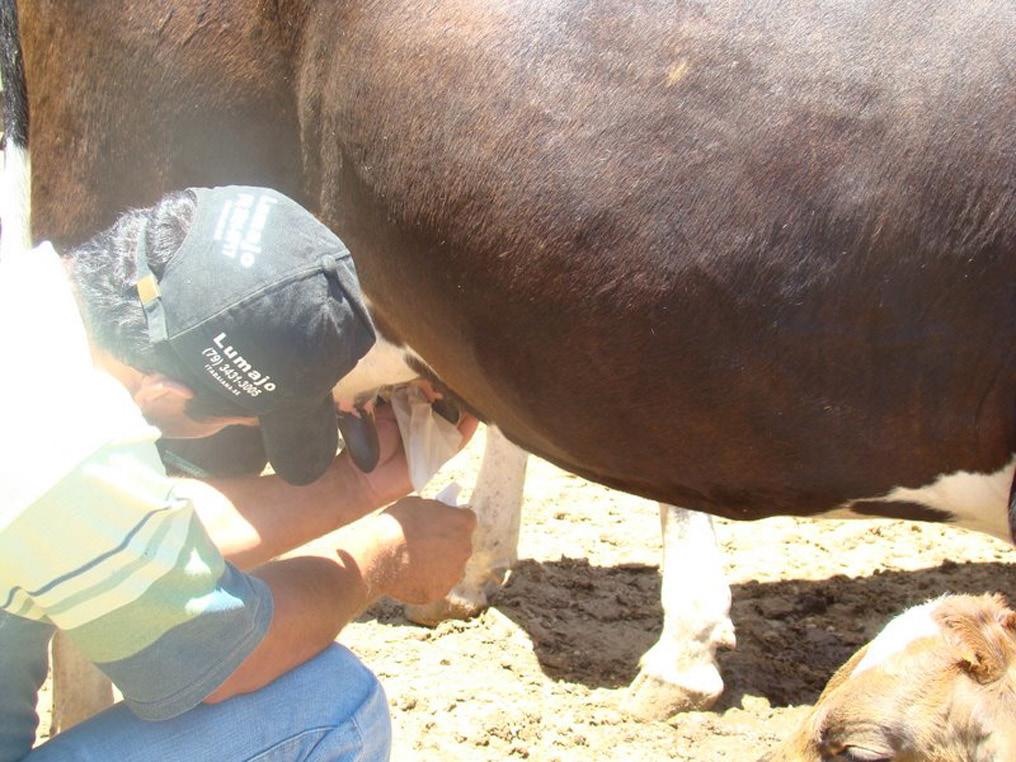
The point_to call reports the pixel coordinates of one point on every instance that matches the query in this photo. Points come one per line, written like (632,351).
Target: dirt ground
(541,674)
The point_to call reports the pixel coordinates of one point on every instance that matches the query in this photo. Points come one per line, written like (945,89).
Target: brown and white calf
(938,684)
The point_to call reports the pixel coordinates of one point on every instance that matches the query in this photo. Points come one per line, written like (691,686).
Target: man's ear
(156,391)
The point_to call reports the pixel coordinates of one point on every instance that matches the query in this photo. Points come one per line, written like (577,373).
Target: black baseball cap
(262,310)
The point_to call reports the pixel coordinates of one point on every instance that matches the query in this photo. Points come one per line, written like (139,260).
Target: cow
(938,683)
(746,259)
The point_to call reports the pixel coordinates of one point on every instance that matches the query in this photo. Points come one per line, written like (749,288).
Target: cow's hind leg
(497,502)
(679,672)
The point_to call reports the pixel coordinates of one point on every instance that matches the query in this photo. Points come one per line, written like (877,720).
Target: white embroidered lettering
(240,227)
(238,375)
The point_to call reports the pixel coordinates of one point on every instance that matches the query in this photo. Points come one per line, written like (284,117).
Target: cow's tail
(16,190)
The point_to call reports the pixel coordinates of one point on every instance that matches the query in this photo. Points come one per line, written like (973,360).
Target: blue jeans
(329,708)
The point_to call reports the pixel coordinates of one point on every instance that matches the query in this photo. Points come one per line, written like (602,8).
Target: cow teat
(384,365)
(359,433)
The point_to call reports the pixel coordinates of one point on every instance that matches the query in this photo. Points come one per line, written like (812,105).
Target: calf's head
(937,684)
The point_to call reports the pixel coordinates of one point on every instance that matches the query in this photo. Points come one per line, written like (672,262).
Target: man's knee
(334,677)
(347,697)
(329,708)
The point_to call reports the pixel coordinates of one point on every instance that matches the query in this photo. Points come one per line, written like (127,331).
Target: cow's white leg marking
(80,690)
(497,502)
(679,672)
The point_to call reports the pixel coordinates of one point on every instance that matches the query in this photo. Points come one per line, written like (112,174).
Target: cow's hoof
(469,599)
(452,607)
(726,638)
(652,697)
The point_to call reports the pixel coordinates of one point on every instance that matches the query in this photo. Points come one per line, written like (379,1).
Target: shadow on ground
(590,624)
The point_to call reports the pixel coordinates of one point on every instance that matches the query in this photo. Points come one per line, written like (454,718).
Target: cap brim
(301,440)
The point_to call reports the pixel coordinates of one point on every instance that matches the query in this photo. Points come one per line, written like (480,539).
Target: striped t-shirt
(93,538)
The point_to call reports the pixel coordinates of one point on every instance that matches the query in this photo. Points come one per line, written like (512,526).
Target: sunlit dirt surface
(541,674)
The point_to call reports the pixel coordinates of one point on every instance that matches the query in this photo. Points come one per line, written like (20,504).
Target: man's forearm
(414,551)
(315,597)
(253,520)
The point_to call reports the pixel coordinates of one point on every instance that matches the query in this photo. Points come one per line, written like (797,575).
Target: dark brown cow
(750,259)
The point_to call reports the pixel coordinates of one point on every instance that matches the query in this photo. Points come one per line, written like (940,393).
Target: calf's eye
(861,754)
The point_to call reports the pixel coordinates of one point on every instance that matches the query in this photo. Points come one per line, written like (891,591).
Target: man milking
(214,307)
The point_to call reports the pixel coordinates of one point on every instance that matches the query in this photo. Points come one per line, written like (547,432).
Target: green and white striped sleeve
(114,558)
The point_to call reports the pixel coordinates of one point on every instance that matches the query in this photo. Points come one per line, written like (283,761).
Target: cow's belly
(617,309)
(978,501)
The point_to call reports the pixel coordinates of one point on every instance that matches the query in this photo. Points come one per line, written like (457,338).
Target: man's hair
(105,275)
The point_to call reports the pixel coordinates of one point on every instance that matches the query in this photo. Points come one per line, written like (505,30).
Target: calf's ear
(980,665)
(984,647)
(1008,621)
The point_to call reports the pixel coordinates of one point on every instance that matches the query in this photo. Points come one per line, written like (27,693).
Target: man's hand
(253,519)
(415,552)
(390,478)
(420,549)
